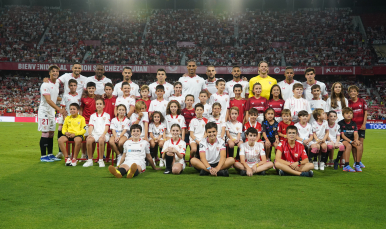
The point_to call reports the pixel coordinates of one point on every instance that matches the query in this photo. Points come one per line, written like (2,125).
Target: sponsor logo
(276,70)
(338,70)
(173,69)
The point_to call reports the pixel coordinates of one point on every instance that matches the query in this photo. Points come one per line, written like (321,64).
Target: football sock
(50,145)
(60,134)
(356,163)
(324,157)
(340,153)
(122,171)
(346,164)
(169,161)
(43,146)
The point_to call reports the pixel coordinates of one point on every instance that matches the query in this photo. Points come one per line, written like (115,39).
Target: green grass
(50,195)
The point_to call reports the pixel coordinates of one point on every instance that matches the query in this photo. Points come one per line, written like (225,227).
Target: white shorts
(60,119)
(46,124)
(118,135)
(192,141)
(311,143)
(332,143)
(129,163)
(278,119)
(182,161)
(107,137)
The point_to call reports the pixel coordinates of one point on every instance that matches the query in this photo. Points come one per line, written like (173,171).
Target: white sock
(100,160)
(89,160)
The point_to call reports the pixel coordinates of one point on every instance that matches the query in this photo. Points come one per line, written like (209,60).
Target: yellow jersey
(74,125)
(266,85)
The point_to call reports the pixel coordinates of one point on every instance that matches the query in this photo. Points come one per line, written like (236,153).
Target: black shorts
(77,136)
(211,165)
(362,133)
(272,140)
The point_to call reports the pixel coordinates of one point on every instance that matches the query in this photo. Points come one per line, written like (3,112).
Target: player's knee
(341,148)
(45,134)
(176,170)
(329,147)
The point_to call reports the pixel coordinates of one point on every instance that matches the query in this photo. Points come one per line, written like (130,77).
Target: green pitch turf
(49,195)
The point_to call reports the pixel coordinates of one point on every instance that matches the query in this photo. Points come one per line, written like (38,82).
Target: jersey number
(44,121)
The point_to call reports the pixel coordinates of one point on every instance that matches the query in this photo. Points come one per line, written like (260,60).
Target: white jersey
(211,86)
(220,124)
(180,145)
(212,151)
(304,132)
(207,110)
(134,90)
(160,106)
(81,82)
(198,127)
(229,88)
(179,99)
(169,91)
(287,89)
(170,120)
(120,125)
(157,130)
(320,103)
(144,119)
(296,105)
(307,90)
(100,84)
(68,99)
(334,131)
(320,129)
(234,128)
(52,89)
(338,109)
(99,122)
(192,85)
(127,101)
(136,152)
(252,153)
(223,100)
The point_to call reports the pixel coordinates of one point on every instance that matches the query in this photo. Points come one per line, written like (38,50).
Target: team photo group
(252,126)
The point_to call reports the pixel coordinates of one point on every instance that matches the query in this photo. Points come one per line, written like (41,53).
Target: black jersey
(348,129)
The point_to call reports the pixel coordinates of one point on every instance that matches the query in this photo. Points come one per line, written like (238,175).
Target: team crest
(280,105)
(270,82)
(217,148)
(78,123)
(296,155)
(197,81)
(262,102)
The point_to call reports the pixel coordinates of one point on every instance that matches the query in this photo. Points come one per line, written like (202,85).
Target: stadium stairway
(357,21)
(45,32)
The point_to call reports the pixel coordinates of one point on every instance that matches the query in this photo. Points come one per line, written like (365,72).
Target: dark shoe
(168,171)
(282,173)
(307,174)
(262,173)
(204,173)
(336,165)
(243,172)
(223,173)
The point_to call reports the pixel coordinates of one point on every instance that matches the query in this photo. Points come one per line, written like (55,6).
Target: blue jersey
(270,130)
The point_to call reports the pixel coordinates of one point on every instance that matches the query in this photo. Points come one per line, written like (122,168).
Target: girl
(334,139)
(188,112)
(337,101)
(276,101)
(177,94)
(173,111)
(216,118)
(174,151)
(126,100)
(141,117)
(157,134)
(269,129)
(120,127)
(258,102)
(98,133)
(233,131)
(145,96)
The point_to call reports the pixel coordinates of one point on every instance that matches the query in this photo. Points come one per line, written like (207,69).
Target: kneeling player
(173,151)
(291,158)
(135,150)
(250,154)
(213,159)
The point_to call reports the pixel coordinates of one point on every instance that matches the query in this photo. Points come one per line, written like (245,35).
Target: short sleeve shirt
(212,151)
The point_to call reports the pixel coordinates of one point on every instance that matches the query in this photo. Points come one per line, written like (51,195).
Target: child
(253,113)
(67,100)
(197,129)
(297,103)
(334,138)
(350,139)
(252,156)
(98,133)
(126,100)
(119,128)
(321,133)
(145,96)
(258,102)
(188,112)
(233,131)
(305,134)
(110,100)
(174,151)
(157,131)
(238,102)
(269,129)
(282,127)
(178,94)
(216,118)
(221,97)
(135,151)
(207,107)
(276,102)
(73,130)
(173,116)
(359,107)
(141,117)
(316,101)
(337,101)
(160,103)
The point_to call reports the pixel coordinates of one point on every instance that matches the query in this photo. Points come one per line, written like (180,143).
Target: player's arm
(356,138)
(222,132)
(152,135)
(363,127)
(246,117)
(122,159)
(183,133)
(53,105)
(228,134)
(326,135)
(163,136)
(278,158)
(344,137)
(90,129)
(227,118)
(65,127)
(265,136)
(131,111)
(82,127)
(316,138)
(258,135)
(203,160)
(146,131)
(279,132)
(223,155)
(238,137)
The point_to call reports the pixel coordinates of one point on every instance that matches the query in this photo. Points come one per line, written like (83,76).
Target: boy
(316,101)
(305,134)
(168,88)
(213,159)
(238,102)
(188,112)
(69,98)
(350,139)
(46,124)
(73,130)
(253,113)
(229,87)
(334,138)
(321,133)
(221,97)
(310,76)
(159,104)
(359,107)
(197,129)
(145,96)
(297,103)
(87,108)
(291,158)
(178,94)
(282,127)
(109,100)
(135,151)
(207,107)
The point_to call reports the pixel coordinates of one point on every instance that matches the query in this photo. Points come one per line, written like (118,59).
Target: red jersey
(110,106)
(188,115)
(257,126)
(147,102)
(88,105)
(277,106)
(239,104)
(292,154)
(282,128)
(261,104)
(359,108)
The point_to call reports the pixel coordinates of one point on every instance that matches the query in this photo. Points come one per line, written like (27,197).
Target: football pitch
(34,194)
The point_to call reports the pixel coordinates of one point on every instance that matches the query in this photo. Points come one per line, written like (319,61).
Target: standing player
(99,79)
(210,83)
(178,94)
(310,76)
(221,97)
(337,101)
(236,72)
(109,100)
(238,102)
(46,113)
(316,101)
(264,79)
(297,103)
(287,84)
(161,76)
(127,74)
(192,84)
